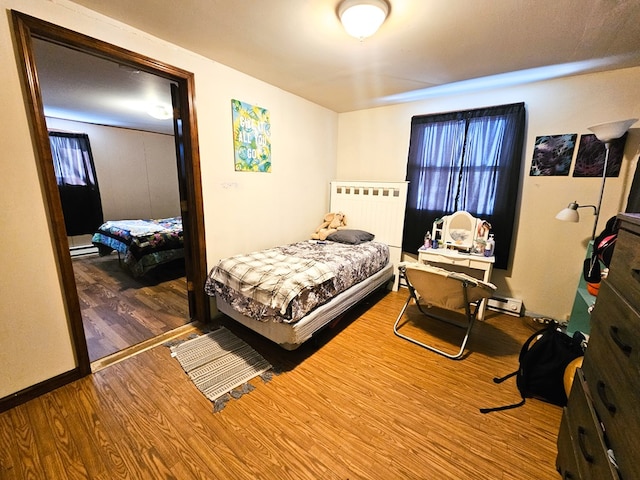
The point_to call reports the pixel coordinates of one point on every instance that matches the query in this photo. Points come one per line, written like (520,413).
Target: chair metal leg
(456,356)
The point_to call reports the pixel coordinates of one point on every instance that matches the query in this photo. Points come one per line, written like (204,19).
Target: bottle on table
(427,240)
(489,246)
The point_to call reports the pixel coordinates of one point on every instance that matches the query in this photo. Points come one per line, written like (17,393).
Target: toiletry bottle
(490,246)
(427,240)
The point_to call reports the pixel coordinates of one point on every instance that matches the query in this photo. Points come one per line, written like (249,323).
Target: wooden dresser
(602,417)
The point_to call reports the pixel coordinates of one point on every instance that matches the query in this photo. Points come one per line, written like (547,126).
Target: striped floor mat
(218,362)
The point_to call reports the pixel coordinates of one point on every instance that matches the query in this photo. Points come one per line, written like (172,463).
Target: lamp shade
(569,214)
(362,18)
(605,132)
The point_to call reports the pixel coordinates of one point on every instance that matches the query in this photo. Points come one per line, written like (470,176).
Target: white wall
(243,211)
(137,171)
(548,254)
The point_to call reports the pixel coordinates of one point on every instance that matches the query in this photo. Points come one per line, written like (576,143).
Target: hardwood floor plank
(163,417)
(45,441)
(9,457)
(29,462)
(62,438)
(81,423)
(127,461)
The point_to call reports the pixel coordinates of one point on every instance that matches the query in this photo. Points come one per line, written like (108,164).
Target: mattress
(285,283)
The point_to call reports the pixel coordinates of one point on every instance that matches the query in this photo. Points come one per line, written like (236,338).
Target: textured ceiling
(424,48)
(78,86)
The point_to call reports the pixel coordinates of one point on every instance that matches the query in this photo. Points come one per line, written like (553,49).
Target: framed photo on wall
(590,159)
(251,137)
(552,155)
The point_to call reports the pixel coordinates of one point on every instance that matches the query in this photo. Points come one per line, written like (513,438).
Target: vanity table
(446,258)
(459,234)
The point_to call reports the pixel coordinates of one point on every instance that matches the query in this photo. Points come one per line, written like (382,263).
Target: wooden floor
(119,311)
(358,403)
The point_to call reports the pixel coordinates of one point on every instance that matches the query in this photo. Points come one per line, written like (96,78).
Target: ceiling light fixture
(362,18)
(160,112)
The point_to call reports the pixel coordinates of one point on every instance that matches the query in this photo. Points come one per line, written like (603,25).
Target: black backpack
(543,359)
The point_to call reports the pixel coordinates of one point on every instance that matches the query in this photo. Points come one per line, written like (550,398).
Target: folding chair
(456,293)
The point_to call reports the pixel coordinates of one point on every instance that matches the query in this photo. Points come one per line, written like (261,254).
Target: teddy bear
(332,223)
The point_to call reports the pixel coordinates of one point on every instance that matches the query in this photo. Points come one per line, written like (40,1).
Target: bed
(141,244)
(323,279)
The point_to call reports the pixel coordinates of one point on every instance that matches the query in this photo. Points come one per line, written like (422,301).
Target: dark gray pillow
(353,237)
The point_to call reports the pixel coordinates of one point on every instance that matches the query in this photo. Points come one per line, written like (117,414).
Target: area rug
(220,362)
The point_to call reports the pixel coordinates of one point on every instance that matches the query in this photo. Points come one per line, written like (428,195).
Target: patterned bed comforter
(144,243)
(285,283)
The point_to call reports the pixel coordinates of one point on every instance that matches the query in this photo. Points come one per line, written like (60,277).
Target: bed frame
(377,207)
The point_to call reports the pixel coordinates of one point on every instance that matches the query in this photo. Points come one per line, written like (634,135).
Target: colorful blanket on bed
(144,243)
(332,268)
(141,236)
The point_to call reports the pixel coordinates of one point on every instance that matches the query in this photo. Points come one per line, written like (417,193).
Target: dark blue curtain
(469,161)
(77,182)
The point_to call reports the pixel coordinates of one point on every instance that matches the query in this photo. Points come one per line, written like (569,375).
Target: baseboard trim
(46,386)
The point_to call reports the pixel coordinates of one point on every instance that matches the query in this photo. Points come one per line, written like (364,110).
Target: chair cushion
(443,288)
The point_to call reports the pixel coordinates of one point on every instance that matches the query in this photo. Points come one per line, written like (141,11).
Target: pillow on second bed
(351,236)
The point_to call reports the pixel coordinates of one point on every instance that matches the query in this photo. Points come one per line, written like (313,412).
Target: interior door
(178,135)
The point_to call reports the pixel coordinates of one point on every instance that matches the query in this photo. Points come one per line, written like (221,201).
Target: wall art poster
(552,155)
(590,159)
(251,137)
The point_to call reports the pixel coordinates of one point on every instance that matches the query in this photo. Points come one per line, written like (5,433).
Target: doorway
(27,29)
(118,120)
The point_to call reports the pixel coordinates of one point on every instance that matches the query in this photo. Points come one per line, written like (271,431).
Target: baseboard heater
(510,306)
(82,250)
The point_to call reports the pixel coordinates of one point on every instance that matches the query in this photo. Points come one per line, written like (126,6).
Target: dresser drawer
(624,271)
(615,330)
(586,434)
(445,259)
(566,462)
(612,372)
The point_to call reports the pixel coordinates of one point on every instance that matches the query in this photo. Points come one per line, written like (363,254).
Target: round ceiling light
(362,18)
(160,112)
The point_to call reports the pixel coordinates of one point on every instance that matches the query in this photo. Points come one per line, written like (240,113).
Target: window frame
(503,175)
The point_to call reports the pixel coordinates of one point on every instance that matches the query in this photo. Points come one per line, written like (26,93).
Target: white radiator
(511,306)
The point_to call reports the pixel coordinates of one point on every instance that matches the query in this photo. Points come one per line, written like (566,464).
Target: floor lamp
(606,133)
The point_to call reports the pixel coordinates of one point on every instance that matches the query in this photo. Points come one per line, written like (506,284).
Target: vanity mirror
(461,230)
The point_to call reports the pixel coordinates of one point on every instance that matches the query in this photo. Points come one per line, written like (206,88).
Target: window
(77,182)
(465,161)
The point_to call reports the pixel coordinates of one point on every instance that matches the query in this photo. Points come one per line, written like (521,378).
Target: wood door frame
(27,27)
